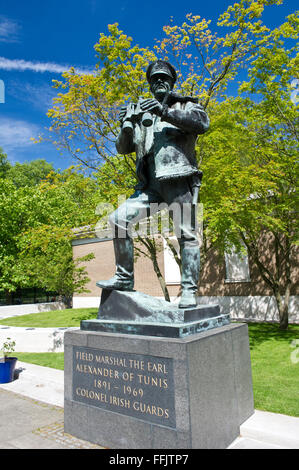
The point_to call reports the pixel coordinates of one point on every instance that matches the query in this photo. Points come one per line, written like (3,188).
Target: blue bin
(7,369)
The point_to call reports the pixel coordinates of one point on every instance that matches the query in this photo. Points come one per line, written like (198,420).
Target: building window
(237,267)
(171,268)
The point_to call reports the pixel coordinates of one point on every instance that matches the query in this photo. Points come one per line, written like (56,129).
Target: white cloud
(15,135)
(8,30)
(41,67)
(39,94)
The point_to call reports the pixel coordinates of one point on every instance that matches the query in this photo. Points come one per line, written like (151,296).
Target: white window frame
(237,266)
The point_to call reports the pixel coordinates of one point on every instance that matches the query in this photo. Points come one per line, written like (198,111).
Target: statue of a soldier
(166,167)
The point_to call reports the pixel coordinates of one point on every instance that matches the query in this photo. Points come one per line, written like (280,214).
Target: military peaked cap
(161,66)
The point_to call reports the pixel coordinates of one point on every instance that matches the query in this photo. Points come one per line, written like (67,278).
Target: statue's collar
(176,98)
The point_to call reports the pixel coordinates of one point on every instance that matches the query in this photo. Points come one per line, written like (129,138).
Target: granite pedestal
(144,392)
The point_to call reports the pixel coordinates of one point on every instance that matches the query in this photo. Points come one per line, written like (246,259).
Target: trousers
(177,195)
(172,194)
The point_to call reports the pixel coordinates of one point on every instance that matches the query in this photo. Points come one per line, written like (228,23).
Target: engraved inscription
(132,384)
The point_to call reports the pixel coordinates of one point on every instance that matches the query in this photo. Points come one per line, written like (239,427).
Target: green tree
(36,228)
(18,211)
(4,164)
(207,60)
(243,135)
(48,262)
(84,119)
(68,200)
(30,173)
(250,162)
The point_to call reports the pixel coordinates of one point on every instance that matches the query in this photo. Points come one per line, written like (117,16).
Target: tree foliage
(250,159)
(36,223)
(4,164)
(249,154)
(29,173)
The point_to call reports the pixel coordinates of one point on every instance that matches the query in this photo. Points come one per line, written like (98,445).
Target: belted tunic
(170,141)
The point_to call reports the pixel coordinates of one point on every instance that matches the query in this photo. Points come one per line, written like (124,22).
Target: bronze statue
(163,132)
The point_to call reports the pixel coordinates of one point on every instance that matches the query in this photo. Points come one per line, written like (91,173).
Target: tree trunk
(153,251)
(151,247)
(284,318)
(161,280)
(274,279)
(67,300)
(283,308)
(8,297)
(283,304)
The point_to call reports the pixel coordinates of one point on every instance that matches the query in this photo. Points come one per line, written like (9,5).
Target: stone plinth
(137,306)
(141,314)
(144,392)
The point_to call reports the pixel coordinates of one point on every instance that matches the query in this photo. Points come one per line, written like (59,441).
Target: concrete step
(272,428)
(246,443)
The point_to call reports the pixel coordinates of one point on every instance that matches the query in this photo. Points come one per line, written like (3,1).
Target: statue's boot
(190,258)
(124,260)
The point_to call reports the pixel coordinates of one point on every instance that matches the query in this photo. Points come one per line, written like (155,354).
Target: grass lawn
(275,376)
(46,359)
(54,318)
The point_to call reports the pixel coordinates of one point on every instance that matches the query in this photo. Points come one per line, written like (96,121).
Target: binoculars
(145,117)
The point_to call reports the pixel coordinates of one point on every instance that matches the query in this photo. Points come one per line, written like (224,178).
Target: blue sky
(40,39)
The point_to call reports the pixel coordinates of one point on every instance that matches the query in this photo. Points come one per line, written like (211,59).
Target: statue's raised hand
(127,112)
(122,113)
(152,106)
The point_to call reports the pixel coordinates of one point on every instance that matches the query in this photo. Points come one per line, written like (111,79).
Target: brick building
(232,281)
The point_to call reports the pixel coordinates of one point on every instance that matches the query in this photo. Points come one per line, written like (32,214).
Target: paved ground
(34,339)
(31,410)
(31,407)
(31,424)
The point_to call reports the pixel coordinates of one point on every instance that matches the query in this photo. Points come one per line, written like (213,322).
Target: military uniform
(171,139)
(166,168)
